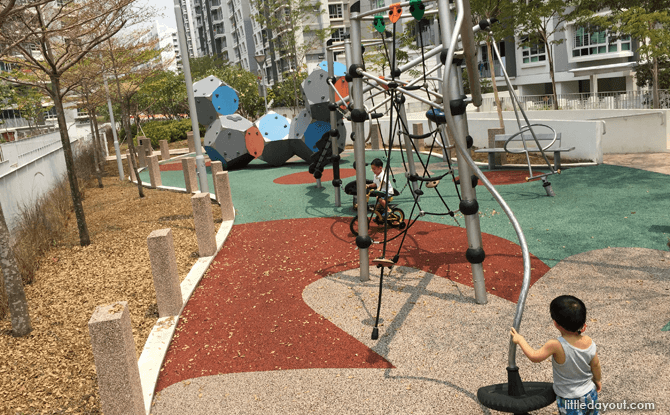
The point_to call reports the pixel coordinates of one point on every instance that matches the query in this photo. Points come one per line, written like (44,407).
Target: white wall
(37,173)
(586,136)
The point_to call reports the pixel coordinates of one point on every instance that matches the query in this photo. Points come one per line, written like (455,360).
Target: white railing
(582,101)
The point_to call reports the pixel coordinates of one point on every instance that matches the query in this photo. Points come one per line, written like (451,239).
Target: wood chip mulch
(52,369)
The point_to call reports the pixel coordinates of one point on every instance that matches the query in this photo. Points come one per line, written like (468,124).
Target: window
(338,34)
(335,11)
(533,53)
(586,42)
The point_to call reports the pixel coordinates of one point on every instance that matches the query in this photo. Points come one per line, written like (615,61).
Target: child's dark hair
(377,163)
(569,312)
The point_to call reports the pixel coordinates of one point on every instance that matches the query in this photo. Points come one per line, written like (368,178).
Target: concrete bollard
(216,167)
(115,358)
(417,129)
(375,136)
(130,167)
(191,142)
(204,224)
(224,196)
(164,271)
(142,157)
(190,176)
(165,150)
(147,146)
(154,172)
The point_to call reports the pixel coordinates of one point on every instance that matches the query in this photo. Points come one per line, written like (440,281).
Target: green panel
(613,48)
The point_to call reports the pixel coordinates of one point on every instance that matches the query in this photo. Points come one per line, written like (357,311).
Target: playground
(288,300)
(281,321)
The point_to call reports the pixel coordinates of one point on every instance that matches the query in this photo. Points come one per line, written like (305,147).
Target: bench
(543,139)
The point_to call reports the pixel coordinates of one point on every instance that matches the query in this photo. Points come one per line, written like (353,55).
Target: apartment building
(588,64)
(167,43)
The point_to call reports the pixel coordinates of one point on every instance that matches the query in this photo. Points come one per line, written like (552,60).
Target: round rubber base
(538,395)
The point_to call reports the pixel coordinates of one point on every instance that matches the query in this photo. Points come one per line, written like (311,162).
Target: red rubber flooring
(248,314)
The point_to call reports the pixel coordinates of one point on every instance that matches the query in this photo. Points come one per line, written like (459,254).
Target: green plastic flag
(380,26)
(417,9)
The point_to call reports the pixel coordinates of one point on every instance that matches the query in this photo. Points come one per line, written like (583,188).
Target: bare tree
(13,284)
(132,59)
(47,40)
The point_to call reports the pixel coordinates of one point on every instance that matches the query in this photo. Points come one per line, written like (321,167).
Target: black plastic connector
(359,115)
(468,207)
(457,106)
(475,255)
(353,70)
(363,242)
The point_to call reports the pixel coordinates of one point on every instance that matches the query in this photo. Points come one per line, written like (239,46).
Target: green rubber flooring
(595,207)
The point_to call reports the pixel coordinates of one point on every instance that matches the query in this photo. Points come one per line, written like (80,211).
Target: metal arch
(527,128)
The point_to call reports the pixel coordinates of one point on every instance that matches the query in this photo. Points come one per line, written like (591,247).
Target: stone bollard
(154,172)
(147,147)
(142,157)
(216,167)
(130,167)
(417,129)
(165,150)
(224,196)
(204,224)
(191,142)
(164,270)
(190,177)
(375,136)
(115,358)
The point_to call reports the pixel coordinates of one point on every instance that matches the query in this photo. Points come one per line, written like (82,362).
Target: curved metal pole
(525,285)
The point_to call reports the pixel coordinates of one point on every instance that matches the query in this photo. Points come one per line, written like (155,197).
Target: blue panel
(314,132)
(339,69)
(225,100)
(274,127)
(214,155)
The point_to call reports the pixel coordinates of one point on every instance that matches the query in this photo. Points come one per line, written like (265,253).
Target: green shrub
(168,130)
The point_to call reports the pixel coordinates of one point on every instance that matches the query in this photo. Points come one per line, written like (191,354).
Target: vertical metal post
(356,93)
(408,145)
(183,49)
(452,92)
(117,149)
(330,56)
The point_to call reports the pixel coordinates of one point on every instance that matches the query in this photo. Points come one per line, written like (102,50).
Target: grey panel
(316,87)
(299,124)
(277,153)
(320,112)
(202,92)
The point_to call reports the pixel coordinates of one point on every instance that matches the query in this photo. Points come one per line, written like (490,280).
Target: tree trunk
(13,284)
(84,238)
(551,72)
(494,85)
(98,137)
(125,116)
(96,158)
(654,72)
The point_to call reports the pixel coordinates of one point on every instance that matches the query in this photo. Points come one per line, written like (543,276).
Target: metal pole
(117,149)
(356,92)
(330,55)
(183,48)
(468,206)
(409,148)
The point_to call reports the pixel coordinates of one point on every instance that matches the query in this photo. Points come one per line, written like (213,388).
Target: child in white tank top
(576,366)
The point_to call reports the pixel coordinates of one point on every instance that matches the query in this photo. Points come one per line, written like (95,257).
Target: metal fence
(581,101)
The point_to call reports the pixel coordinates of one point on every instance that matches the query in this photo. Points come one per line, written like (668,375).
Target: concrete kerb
(155,348)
